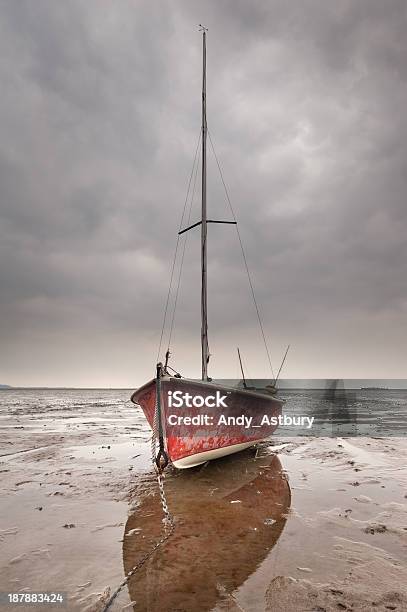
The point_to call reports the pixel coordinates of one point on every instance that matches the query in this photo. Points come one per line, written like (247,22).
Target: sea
(336,410)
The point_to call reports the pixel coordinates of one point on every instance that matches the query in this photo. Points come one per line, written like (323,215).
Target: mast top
(202,28)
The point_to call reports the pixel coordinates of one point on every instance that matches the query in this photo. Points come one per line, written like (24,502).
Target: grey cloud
(99,120)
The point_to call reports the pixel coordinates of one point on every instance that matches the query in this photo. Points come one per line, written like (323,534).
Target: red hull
(183,441)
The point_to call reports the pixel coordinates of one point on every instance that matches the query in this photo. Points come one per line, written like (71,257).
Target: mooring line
(169,524)
(169,527)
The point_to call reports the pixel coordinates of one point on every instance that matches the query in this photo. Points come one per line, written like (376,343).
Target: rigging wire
(176,250)
(183,254)
(243,254)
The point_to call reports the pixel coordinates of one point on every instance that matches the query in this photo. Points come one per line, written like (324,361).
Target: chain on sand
(169,527)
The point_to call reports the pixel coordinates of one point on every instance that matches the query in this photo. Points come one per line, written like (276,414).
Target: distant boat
(190,445)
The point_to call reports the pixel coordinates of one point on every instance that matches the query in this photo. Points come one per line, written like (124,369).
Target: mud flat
(66,467)
(348,528)
(300,524)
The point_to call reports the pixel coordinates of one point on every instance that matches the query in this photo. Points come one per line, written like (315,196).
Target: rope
(243,254)
(183,255)
(176,252)
(161,460)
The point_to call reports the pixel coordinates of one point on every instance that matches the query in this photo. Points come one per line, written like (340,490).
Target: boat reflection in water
(228,517)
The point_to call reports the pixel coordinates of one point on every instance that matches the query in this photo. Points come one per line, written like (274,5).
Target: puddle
(229,516)
(132,454)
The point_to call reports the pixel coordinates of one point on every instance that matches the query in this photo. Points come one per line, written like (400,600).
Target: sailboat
(214,420)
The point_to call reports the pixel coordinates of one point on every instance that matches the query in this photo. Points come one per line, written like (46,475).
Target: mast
(204,312)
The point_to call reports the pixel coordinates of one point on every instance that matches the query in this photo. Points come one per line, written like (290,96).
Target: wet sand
(300,524)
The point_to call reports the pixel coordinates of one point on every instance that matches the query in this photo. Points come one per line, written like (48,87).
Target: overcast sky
(99,120)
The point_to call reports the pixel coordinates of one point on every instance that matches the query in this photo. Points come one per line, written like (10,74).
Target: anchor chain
(168,520)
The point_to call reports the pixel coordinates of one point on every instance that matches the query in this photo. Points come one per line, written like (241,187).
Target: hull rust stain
(187,440)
